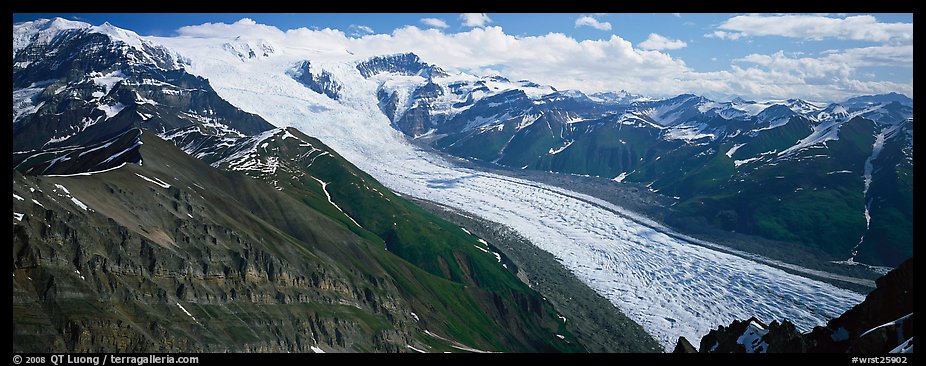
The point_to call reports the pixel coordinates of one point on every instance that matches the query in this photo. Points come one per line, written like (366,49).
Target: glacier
(668,285)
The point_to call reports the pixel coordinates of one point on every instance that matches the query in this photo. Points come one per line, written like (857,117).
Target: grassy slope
(467,287)
(475,302)
(798,201)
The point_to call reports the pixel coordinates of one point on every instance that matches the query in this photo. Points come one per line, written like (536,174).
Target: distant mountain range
(834,176)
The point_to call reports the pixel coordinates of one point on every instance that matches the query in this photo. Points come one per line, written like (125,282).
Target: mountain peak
(42,30)
(879,99)
(60,23)
(398,63)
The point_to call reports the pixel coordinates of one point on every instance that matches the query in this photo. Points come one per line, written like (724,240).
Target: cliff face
(149,268)
(174,255)
(882,323)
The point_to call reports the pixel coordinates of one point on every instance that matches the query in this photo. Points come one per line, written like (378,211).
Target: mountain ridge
(571,133)
(188,205)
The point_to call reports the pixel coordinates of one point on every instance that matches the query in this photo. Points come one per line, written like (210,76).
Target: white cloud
(724,35)
(245,26)
(833,76)
(435,23)
(360,30)
(588,21)
(246,21)
(815,27)
(899,56)
(657,42)
(598,65)
(677,15)
(475,19)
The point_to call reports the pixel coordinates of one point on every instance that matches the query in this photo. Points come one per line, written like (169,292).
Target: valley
(649,208)
(386,204)
(666,285)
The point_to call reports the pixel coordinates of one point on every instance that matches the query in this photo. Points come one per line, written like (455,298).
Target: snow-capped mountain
(76,84)
(358,106)
(421,98)
(671,145)
(137,187)
(36,43)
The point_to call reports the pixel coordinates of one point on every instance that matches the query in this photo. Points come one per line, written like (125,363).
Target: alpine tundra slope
(671,287)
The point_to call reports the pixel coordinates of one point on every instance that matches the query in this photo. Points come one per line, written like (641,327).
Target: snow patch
(63,188)
(107,81)
(111,110)
(869,168)
(79,204)
(87,173)
(737,163)
(130,148)
(557,151)
(187,312)
(751,338)
(687,133)
(328,195)
(823,132)
(414,349)
(905,347)
(455,344)
(733,149)
(897,322)
(156,180)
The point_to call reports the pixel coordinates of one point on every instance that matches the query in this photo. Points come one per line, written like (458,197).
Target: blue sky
(848,49)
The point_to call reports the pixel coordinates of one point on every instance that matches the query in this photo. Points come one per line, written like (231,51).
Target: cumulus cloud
(724,35)
(898,56)
(475,19)
(587,21)
(360,30)
(223,30)
(832,76)
(815,27)
(435,23)
(657,42)
(598,65)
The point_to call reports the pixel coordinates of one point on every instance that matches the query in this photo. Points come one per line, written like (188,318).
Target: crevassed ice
(672,288)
